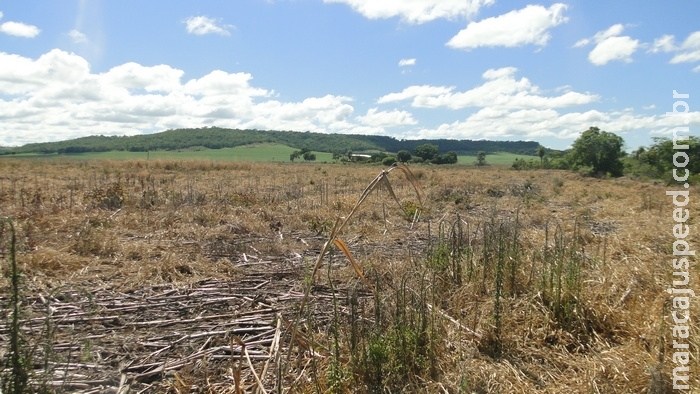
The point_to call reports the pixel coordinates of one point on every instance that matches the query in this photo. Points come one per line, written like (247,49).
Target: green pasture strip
(496,159)
(250,153)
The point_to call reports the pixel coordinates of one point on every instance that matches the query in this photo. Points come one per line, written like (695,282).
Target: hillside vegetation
(217,138)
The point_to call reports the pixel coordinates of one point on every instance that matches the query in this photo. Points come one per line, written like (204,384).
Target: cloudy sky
(463,69)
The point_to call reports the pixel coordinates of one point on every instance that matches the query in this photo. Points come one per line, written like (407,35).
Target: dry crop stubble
(184,222)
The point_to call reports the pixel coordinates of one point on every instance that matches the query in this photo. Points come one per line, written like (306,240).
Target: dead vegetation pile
(230,277)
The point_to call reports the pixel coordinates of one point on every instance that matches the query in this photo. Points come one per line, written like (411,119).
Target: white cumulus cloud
(610,46)
(413,92)
(49,73)
(78,36)
(58,97)
(506,106)
(201,25)
(663,44)
(375,117)
(407,62)
(529,25)
(537,123)
(135,76)
(221,83)
(501,90)
(323,114)
(416,11)
(687,52)
(19,29)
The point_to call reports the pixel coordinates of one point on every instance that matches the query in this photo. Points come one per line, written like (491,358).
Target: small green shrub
(389,161)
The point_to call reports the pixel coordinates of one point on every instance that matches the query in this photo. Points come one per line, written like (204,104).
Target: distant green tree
(451,157)
(426,151)
(481,158)
(294,155)
(403,156)
(448,158)
(308,156)
(541,152)
(599,151)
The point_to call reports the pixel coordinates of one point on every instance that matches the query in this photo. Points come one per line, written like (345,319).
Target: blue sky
(462,69)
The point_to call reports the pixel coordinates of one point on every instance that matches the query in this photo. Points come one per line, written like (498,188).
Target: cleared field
(175,276)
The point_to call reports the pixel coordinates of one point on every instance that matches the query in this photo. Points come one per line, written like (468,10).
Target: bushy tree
(599,151)
(448,158)
(389,161)
(403,156)
(304,153)
(308,156)
(426,151)
(481,158)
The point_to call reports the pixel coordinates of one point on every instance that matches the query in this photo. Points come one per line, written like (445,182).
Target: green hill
(217,138)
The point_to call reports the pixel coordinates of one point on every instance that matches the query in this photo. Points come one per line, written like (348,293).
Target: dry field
(149,277)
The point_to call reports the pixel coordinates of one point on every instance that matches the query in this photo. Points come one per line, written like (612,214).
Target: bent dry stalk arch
(333,239)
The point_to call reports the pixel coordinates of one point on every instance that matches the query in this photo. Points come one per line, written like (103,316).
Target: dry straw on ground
(189,277)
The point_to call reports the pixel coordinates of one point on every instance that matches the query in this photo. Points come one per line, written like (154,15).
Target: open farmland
(190,276)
